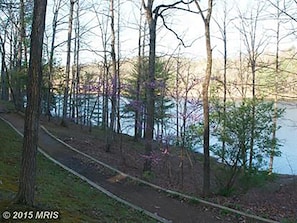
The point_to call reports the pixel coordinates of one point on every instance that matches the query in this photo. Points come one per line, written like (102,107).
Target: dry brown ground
(276,199)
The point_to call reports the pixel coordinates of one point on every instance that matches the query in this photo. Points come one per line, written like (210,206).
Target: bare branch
(200,10)
(174,6)
(171,30)
(160,9)
(283,11)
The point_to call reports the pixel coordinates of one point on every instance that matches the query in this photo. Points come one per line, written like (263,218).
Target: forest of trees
(106,61)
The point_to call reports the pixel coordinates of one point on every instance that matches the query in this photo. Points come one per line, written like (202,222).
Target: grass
(57,189)
(8,105)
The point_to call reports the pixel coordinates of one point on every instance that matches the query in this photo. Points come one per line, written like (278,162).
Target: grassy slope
(57,189)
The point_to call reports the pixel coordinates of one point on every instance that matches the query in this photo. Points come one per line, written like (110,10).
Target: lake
(286,164)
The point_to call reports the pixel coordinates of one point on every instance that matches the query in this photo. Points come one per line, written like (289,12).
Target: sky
(187,25)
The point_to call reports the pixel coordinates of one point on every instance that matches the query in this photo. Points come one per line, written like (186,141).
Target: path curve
(93,184)
(125,191)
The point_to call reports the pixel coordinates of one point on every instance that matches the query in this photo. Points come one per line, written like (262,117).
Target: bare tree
(118,68)
(149,130)
(140,58)
(74,91)
(56,10)
(26,190)
(67,72)
(224,37)
(255,47)
(152,16)
(10,16)
(114,68)
(19,63)
(277,72)
(4,71)
(206,166)
(103,22)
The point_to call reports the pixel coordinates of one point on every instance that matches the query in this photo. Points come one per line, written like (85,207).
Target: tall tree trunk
(277,72)
(137,124)
(142,114)
(150,85)
(4,73)
(177,97)
(26,190)
(224,35)
(114,70)
(184,125)
(21,36)
(105,106)
(67,72)
(51,58)
(205,87)
(13,43)
(77,62)
(118,71)
(75,67)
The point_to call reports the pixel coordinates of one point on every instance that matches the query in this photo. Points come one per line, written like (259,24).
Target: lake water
(286,164)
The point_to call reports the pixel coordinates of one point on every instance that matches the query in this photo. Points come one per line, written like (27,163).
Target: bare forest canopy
(243,35)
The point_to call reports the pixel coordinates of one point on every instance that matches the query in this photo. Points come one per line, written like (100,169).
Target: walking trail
(155,202)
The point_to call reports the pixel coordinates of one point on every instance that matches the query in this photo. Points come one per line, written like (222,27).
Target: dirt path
(143,196)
